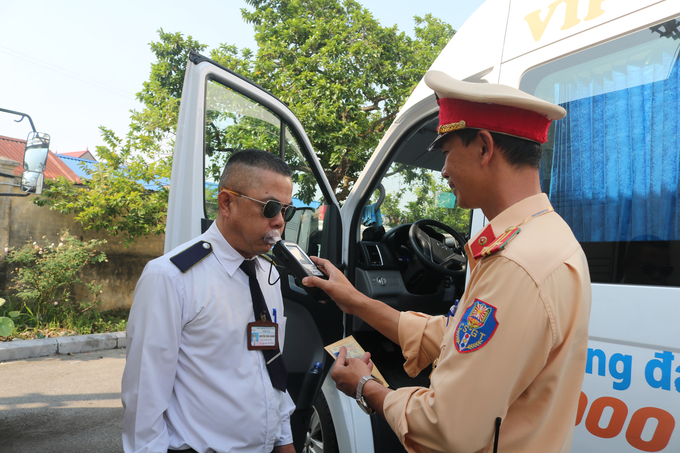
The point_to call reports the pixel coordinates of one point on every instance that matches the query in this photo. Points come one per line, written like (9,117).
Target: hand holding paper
(354,351)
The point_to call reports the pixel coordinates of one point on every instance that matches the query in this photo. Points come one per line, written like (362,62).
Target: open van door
(221,113)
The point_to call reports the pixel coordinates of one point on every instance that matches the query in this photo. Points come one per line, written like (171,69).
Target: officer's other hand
(347,372)
(337,286)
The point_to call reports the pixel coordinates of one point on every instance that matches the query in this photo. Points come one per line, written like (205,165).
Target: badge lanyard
(538,214)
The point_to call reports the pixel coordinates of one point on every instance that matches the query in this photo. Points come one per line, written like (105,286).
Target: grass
(63,322)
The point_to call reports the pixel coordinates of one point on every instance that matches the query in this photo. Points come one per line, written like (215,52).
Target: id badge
(263,335)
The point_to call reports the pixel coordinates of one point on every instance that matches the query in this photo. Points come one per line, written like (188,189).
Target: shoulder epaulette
(191,256)
(499,243)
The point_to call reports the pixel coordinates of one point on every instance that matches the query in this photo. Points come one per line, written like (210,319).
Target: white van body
(631,394)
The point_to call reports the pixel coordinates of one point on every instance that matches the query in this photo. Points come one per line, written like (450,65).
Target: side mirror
(35,160)
(32,182)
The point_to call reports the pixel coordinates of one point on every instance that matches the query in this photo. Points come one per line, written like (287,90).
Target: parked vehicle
(611,169)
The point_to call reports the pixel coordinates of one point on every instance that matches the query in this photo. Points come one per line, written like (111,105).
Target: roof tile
(13,148)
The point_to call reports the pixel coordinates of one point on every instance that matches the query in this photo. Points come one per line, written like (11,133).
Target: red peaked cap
(491,106)
(504,119)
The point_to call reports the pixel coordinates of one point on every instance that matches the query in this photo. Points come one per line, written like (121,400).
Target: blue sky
(74,65)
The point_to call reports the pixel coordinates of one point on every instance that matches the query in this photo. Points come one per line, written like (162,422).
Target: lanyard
(533,216)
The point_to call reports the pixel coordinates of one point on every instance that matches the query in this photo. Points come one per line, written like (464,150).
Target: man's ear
(486,147)
(225,202)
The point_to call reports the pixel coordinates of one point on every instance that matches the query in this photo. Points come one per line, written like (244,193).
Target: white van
(611,168)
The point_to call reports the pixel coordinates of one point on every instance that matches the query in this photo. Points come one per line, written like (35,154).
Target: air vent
(374,255)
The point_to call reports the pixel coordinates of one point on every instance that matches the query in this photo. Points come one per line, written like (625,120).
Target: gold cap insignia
(446,128)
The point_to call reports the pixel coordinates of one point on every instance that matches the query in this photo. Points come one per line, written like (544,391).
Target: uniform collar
(228,257)
(518,212)
(510,217)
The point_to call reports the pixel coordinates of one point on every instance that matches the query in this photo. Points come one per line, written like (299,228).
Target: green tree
(341,72)
(115,196)
(422,195)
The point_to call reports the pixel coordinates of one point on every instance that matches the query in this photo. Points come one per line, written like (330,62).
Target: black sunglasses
(271,207)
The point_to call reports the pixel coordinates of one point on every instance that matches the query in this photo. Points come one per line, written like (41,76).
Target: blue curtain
(616,160)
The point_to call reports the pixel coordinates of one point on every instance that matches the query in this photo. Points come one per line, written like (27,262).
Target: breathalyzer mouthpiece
(272,237)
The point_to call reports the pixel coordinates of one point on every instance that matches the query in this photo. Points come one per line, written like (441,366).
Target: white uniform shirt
(190,380)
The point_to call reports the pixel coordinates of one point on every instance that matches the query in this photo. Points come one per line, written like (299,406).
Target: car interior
(410,251)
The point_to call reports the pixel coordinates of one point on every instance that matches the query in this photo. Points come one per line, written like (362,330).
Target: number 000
(660,438)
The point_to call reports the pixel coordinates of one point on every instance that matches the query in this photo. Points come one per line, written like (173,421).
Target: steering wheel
(433,254)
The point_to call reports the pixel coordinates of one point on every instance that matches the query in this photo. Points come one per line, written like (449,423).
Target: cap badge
(446,128)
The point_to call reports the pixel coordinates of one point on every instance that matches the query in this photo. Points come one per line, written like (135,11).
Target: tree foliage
(126,192)
(422,195)
(341,72)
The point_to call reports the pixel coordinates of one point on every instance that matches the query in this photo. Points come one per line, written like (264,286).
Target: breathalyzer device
(298,263)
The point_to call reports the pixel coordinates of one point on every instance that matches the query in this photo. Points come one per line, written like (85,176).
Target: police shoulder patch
(476,327)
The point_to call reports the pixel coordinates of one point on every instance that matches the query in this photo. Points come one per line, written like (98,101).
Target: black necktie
(275,366)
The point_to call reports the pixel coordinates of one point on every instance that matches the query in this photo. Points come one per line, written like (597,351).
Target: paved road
(64,403)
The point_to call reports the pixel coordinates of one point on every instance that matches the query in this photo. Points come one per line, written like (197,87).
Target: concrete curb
(26,349)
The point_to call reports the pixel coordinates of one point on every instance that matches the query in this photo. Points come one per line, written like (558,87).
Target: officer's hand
(347,372)
(284,449)
(337,286)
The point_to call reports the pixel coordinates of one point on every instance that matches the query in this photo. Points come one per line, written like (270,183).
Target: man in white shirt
(191,382)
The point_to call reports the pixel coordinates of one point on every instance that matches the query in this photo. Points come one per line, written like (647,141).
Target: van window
(611,168)
(413,193)
(413,188)
(306,228)
(233,122)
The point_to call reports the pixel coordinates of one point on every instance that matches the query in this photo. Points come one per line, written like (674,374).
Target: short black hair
(519,152)
(253,158)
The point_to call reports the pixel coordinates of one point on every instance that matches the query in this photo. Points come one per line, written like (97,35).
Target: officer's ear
(486,147)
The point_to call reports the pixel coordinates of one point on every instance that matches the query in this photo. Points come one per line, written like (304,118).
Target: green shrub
(6,324)
(43,277)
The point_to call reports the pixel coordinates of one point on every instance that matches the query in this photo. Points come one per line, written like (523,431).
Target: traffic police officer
(513,353)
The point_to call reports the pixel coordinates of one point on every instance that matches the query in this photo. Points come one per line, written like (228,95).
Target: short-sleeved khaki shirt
(525,363)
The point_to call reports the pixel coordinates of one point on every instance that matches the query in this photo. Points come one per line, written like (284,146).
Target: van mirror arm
(22,115)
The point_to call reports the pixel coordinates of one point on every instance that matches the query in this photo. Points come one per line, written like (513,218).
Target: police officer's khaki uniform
(516,347)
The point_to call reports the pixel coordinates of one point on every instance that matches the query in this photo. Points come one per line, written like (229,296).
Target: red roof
(13,148)
(80,154)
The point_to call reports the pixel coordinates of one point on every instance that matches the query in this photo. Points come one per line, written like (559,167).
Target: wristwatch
(360,388)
